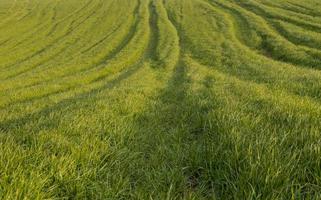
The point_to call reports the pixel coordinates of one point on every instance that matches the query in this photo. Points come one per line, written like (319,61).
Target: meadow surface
(160,99)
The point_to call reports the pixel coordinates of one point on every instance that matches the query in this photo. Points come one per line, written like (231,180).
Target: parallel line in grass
(281,98)
(285,34)
(105,85)
(263,84)
(14,16)
(26,16)
(99,77)
(63,76)
(257,78)
(9,13)
(314,54)
(167,53)
(101,41)
(50,58)
(154,28)
(132,30)
(15,123)
(30,32)
(77,18)
(43,61)
(43,49)
(260,76)
(103,61)
(30,13)
(266,78)
(228,138)
(264,14)
(289,9)
(55,25)
(309,60)
(299,6)
(295,38)
(6,39)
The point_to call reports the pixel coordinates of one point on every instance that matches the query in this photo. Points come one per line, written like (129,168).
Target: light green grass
(160,99)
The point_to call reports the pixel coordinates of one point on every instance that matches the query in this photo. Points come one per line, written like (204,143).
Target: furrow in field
(25,47)
(286,7)
(43,48)
(298,38)
(271,73)
(26,38)
(271,44)
(161,99)
(44,26)
(8,11)
(54,58)
(304,8)
(19,10)
(124,36)
(125,59)
(34,11)
(258,10)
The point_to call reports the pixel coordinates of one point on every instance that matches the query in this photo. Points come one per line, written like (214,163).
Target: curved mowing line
(291,10)
(116,50)
(39,63)
(154,29)
(14,15)
(8,16)
(71,73)
(293,39)
(29,13)
(104,60)
(69,31)
(310,10)
(263,81)
(139,63)
(264,14)
(8,125)
(259,76)
(284,33)
(30,33)
(42,62)
(30,36)
(42,26)
(54,27)
(92,81)
(309,60)
(312,59)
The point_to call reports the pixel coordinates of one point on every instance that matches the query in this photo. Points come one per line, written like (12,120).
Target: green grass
(160,99)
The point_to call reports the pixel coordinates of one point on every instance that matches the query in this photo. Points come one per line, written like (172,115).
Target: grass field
(160,99)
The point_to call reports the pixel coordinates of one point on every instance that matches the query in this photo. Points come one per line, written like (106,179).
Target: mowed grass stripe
(57,48)
(96,77)
(171,99)
(102,61)
(65,17)
(38,50)
(61,48)
(272,73)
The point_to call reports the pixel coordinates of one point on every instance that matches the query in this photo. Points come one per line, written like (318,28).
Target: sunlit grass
(172,99)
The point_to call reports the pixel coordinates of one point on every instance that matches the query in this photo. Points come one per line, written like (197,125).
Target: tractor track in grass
(102,61)
(160,99)
(126,73)
(60,38)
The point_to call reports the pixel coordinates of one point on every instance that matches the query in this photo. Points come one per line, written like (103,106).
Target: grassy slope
(144,99)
